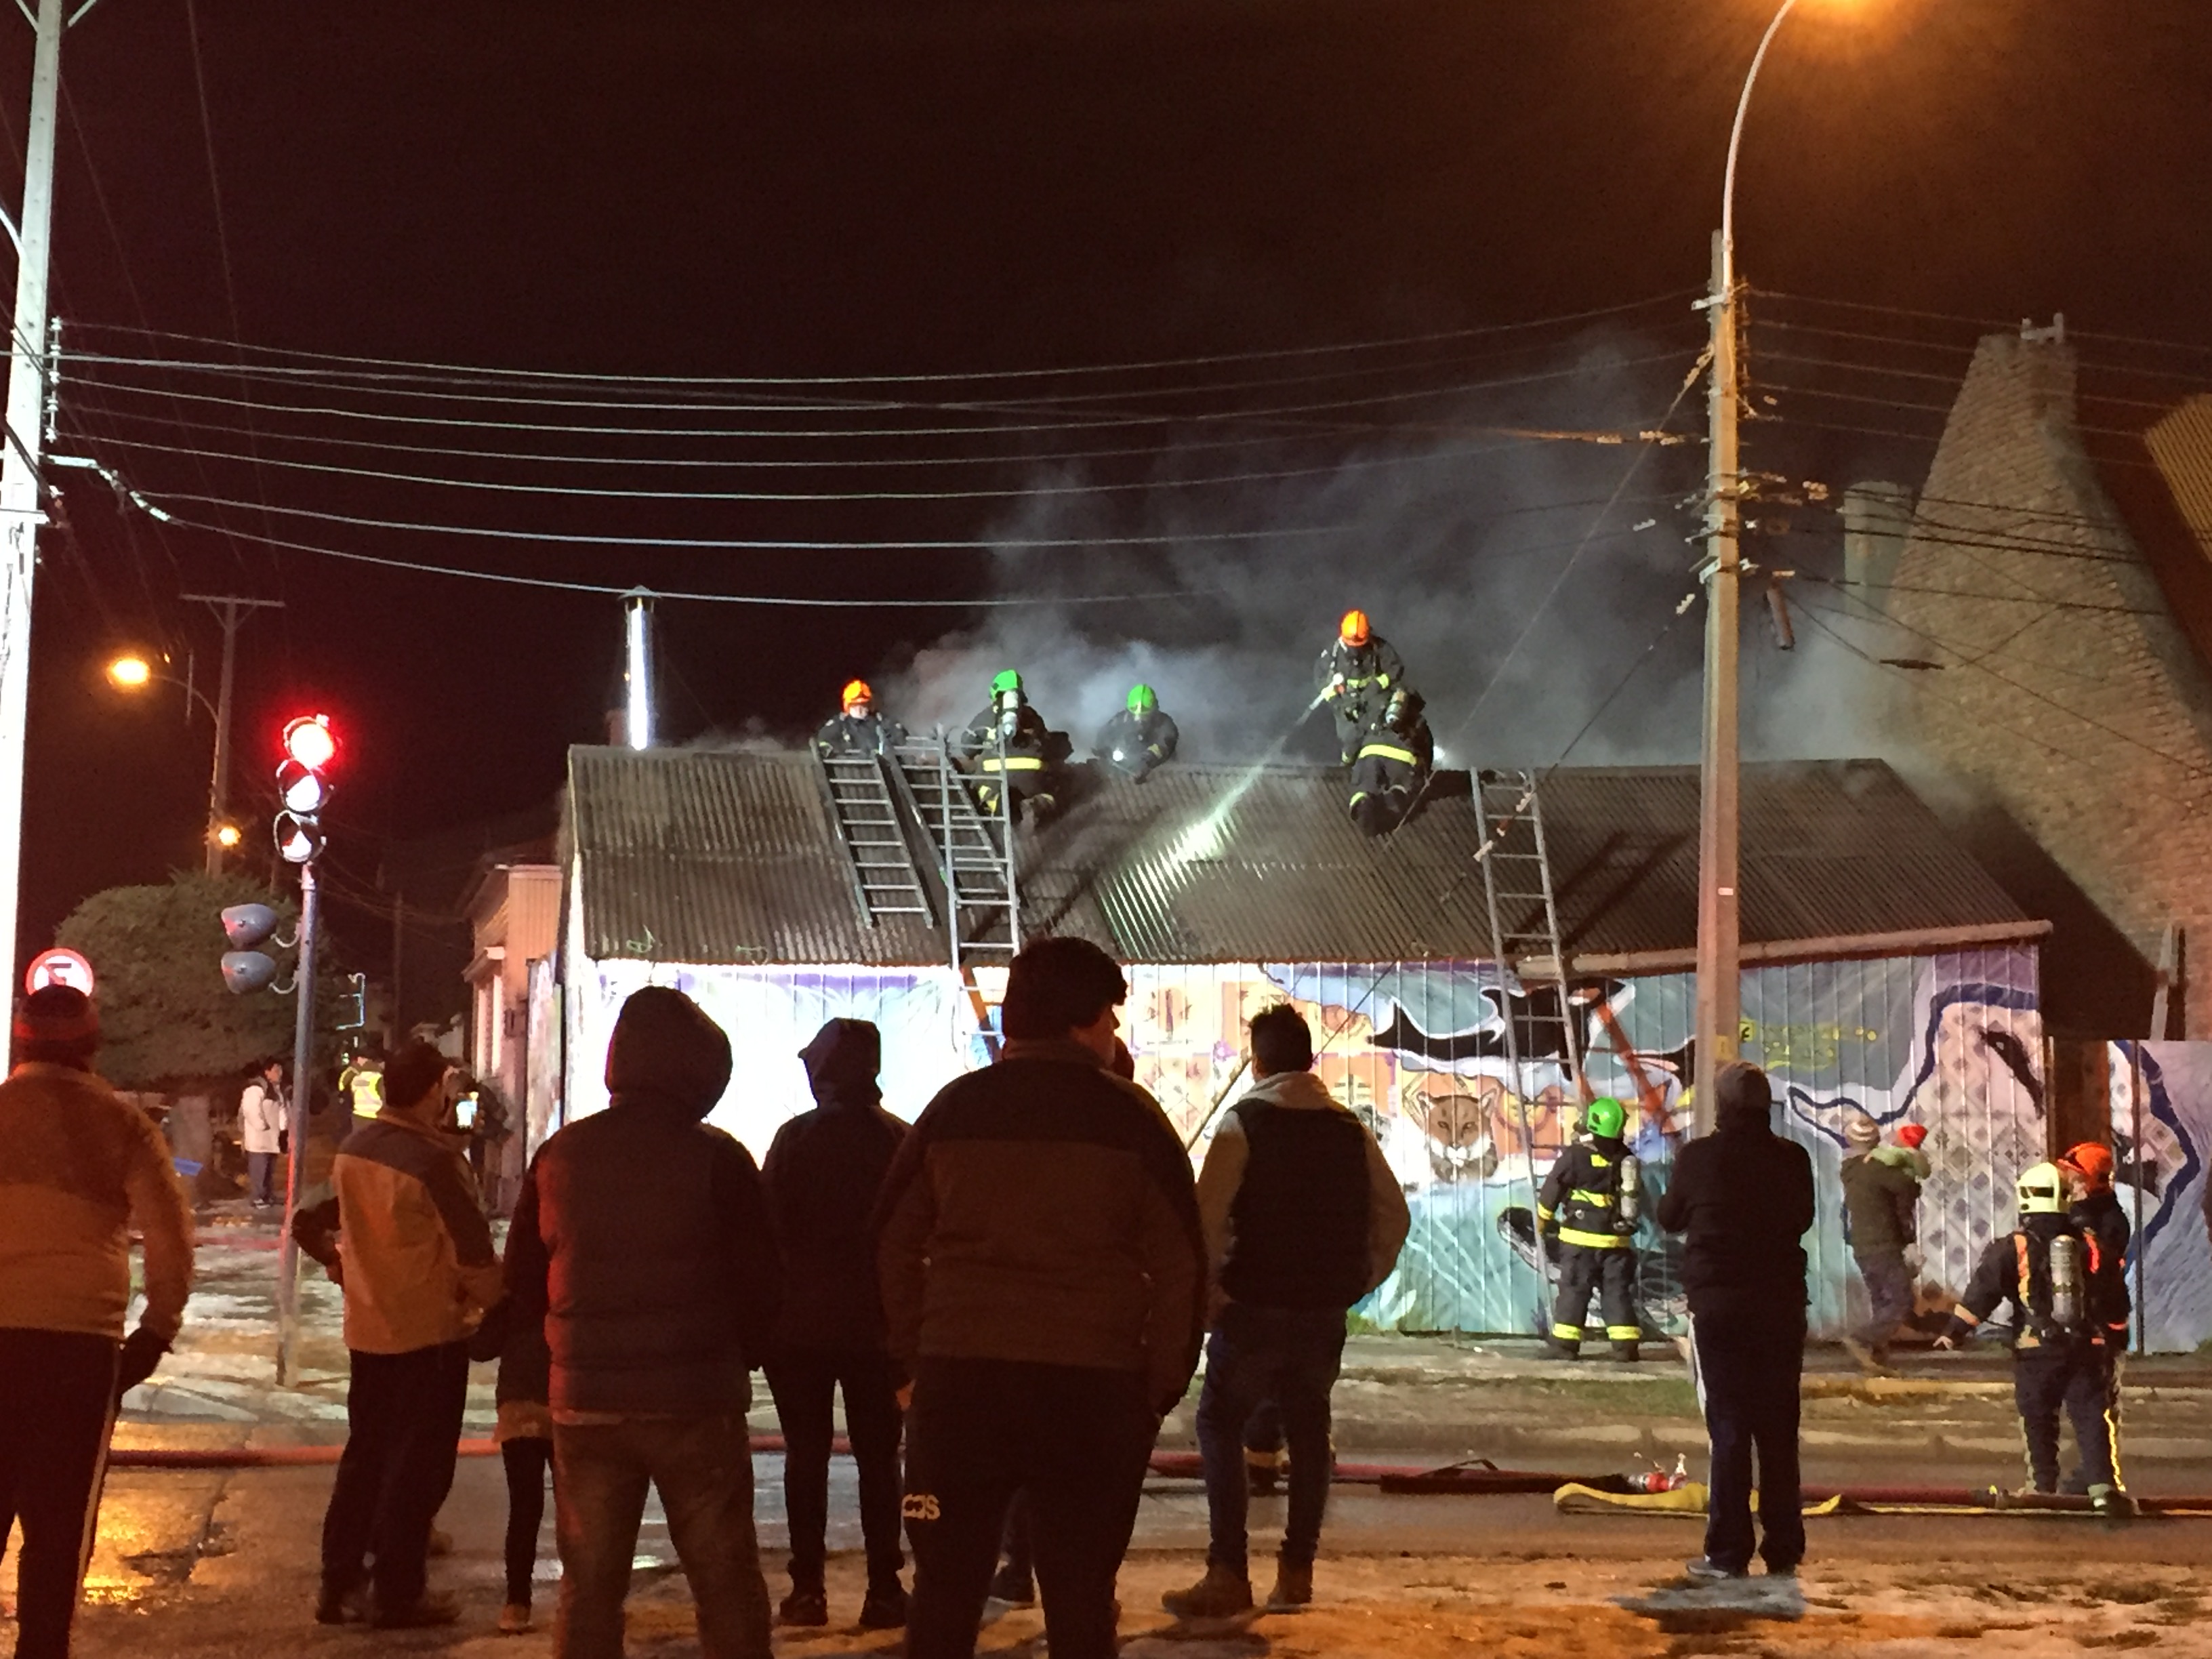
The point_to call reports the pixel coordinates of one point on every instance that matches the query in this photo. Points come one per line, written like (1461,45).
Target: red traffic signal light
(309,741)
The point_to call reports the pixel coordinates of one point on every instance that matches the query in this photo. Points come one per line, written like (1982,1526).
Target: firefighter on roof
(1138,739)
(1355,676)
(858,729)
(2069,1314)
(1009,740)
(1592,1199)
(1390,765)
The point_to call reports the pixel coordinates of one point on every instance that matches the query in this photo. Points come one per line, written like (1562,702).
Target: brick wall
(2069,694)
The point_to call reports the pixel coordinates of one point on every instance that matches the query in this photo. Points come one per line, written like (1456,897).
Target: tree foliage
(165,1018)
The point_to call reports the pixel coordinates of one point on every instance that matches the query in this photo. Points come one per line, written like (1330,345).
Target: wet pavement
(223,1561)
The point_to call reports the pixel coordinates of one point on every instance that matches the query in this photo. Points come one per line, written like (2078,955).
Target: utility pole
(303,1061)
(230,610)
(20,514)
(1719,1013)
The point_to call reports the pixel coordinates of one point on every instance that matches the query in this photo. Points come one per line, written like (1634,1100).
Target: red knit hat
(57,1017)
(1911,1135)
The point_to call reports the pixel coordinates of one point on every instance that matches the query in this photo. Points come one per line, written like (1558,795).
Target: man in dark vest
(1303,1219)
(642,1240)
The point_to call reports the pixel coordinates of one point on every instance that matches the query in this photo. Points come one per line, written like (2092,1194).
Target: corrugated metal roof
(733,857)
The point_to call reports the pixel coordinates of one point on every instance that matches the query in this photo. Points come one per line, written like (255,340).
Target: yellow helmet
(2042,1190)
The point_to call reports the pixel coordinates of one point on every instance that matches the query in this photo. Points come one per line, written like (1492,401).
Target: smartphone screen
(465,1111)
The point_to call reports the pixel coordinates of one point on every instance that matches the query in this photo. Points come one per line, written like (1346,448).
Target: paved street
(222,1560)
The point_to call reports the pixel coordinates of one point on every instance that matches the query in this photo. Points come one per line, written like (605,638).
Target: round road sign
(58,967)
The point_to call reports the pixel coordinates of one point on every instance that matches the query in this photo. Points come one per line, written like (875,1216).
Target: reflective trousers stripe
(1592,1241)
(1013,764)
(1388,752)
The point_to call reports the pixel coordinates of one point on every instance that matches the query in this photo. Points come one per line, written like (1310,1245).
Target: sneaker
(424,1612)
(803,1606)
(1222,1593)
(514,1618)
(2110,1500)
(1706,1570)
(884,1607)
(1293,1586)
(343,1606)
(1014,1587)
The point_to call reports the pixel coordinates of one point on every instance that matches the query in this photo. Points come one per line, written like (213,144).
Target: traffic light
(244,967)
(353,1003)
(303,786)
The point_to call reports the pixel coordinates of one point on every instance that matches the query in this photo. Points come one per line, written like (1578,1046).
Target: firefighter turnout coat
(1581,1197)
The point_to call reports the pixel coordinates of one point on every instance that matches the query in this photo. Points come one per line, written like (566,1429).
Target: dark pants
(56,1405)
(1610,1276)
(805,1383)
(2078,1380)
(261,1176)
(403,1422)
(1289,1356)
(526,1460)
(702,1467)
(1076,1439)
(1747,1368)
(1889,1296)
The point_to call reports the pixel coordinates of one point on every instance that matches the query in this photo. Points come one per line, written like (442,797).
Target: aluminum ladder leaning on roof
(975,861)
(1524,930)
(886,878)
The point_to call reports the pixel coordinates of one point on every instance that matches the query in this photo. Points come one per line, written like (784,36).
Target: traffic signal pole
(303,1060)
(20,513)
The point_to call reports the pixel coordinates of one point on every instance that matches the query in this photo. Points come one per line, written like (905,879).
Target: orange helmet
(2093,1162)
(1352,630)
(856,691)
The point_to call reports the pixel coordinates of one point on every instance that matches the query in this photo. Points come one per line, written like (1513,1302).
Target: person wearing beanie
(1742,1196)
(1043,1274)
(822,1175)
(1880,1201)
(1904,1153)
(640,1243)
(80,1169)
(403,1235)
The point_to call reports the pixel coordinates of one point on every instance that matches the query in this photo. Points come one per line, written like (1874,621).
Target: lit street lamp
(133,672)
(1718,1018)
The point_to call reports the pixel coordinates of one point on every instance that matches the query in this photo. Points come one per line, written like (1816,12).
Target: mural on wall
(2161,1115)
(1418,1049)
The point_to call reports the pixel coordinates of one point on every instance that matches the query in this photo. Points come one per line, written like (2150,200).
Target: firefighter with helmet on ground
(1355,675)
(1592,1201)
(1009,740)
(2097,1210)
(1138,739)
(2069,1314)
(857,728)
(1391,765)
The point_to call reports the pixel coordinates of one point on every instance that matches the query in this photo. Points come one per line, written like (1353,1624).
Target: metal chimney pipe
(637,670)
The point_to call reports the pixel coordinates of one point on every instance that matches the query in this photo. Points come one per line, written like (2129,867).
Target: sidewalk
(1414,1400)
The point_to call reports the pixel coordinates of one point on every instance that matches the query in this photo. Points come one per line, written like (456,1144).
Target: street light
(1718,1018)
(132,672)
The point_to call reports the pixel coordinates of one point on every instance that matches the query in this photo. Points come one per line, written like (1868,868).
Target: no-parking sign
(58,967)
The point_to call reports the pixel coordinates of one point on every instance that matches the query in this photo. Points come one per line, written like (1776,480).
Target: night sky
(828,188)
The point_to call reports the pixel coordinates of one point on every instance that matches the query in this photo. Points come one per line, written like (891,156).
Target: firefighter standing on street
(1140,738)
(2098,1211)
(1391,765)
(857,729)
(1009,740)
(2069,1310)
(1355,675)
(1593,1198)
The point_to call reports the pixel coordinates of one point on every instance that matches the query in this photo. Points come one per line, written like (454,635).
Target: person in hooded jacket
(822,1175)
(642,1242)
(1743,1196)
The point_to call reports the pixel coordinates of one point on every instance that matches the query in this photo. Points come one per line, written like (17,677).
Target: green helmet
(1605,1117)
(2042,1190)
(1142,698)
(1007,681)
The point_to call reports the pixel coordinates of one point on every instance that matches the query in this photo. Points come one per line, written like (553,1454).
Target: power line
(1001,492)
(1213,359)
